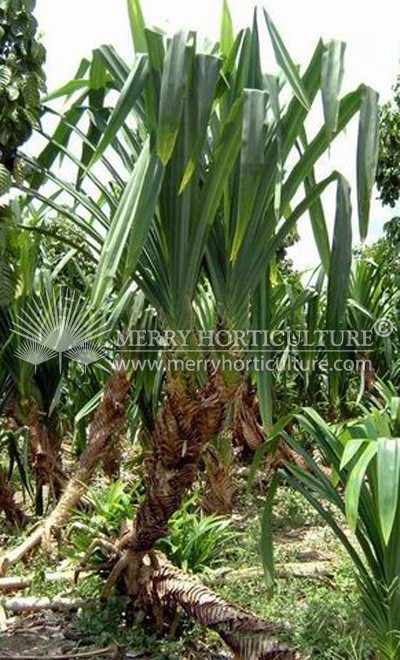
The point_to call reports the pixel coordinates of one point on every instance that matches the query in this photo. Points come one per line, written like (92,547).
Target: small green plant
(365,460)
(197,541)
(107,625)
(110,509)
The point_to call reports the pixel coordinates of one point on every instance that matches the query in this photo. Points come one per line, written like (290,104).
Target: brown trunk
(46,456)
(189,419)
(109,413)
(219,490)
(7,503)
(112,460)
(247,429)
(250,637)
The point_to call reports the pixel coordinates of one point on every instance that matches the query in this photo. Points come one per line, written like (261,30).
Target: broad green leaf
(252,159)
(339,276)
(355,482)
(331,82)
(388,482)
(144,212)
(173,85)
(98,71)
(126,102)
(350,450)
(255,78)
(367,155)
(227,36)
(224,159)
(137,24)
(286,63)
(252,258)
(228,70)
(132,217)
(202,95)
(156,53)
(395,414)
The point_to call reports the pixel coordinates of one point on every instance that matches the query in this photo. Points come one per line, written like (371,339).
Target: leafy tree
(388,173)
(21,80)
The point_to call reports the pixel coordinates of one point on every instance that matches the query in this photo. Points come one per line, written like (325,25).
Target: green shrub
(364,458)
(197,541)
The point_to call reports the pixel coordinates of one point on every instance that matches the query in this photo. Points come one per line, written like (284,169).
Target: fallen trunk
(11,584)
(109,413)
(111,651)
(248,636)
(33,604)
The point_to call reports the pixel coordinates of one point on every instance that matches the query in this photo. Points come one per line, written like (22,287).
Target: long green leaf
(68,89)
(137,24)
(262,319)
(173,85)
(331,82)
(61,136)
(98,71)
(252,159)
(126,102)
(205,78)
(317,215)
(367,155)
(286,63)
(227,36)
(318,223)
(355,482)
(267,546)
(350,450)
(115,65)
(388,482)
(133,216)
(339,276)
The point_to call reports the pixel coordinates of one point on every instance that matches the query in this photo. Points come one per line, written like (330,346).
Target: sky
(70,30)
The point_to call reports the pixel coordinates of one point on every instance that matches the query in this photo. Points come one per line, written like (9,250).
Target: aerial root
(97,544)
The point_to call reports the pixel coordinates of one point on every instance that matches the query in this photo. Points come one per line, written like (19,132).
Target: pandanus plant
(364,458)
(201,166)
